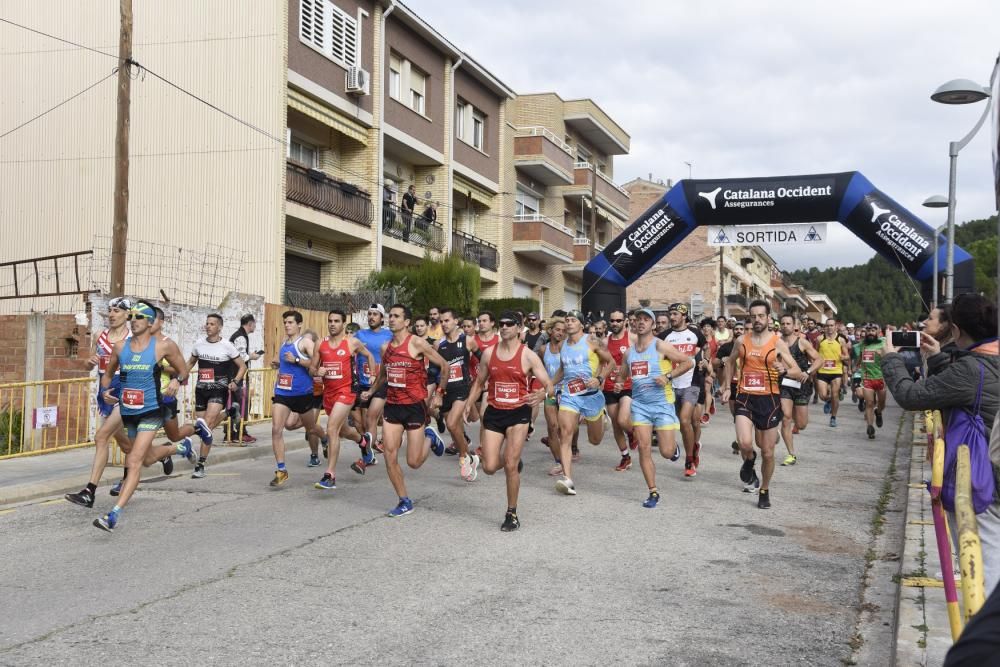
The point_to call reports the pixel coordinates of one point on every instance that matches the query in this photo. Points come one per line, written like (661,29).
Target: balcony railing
(411,228)
(474,250)
(315,189)
(539,131)
(736,300)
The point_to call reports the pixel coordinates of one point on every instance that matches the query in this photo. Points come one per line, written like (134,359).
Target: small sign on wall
(46,417)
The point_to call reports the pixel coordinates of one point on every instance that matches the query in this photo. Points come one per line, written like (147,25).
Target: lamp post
(936,201)
(957,91)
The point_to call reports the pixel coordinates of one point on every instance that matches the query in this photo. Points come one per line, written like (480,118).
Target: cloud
(756,89)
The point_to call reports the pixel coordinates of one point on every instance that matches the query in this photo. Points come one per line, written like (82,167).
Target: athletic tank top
(508,383)
(551,360)
(105,348)
(140,375)
(829,352)
(758,375)
(579,364)
(373,340)
(644,366)
(686,341)
(618,347)
(335,362)
(293,377)
(457,355)
(483,346)
(406,376)
(871,359)
(800,357)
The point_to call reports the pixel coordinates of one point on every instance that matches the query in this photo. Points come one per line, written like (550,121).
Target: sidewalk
(32,477)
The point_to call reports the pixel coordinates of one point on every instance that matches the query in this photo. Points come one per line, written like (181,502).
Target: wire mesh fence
(349,302)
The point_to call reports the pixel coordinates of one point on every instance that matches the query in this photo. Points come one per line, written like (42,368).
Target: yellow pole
(970,550)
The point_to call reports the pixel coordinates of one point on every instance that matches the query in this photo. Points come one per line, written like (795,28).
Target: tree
(445,282)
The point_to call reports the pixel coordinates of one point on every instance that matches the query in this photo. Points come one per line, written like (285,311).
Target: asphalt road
(226,570)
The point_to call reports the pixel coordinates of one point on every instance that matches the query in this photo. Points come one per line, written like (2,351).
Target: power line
(60,39)
(70,99)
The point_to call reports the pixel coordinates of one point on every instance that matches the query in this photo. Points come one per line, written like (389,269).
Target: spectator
(407,207)
(388,204)
(953,382)
(428,217)
(240,401)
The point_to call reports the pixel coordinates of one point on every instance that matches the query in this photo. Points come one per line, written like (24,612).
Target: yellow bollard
(970,550)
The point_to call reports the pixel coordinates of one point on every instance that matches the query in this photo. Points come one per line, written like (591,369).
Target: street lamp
(957,91)
(936,201)
(689,169)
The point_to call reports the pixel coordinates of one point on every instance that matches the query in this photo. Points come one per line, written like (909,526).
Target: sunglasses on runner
(616,320)
(508,323)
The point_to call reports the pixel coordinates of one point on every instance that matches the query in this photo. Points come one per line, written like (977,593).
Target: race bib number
(640,369)
(612,375)
(284,381)
(455,371)
(829,364)
(133,398)
(366,371)
(576,386)
(506,392)
(396,377)
(789,382)
(206,375)
(102,363)
(333,370)
(868,356)
(754,381)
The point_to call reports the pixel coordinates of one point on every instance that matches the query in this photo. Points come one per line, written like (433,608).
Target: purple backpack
(966,427)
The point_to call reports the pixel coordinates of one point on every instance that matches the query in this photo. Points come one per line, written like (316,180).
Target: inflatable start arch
(848,197)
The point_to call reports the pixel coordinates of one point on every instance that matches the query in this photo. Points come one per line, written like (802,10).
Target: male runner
(367,413)
(534,337)
(723,334)
(239,409)
(662,325)
(686,392)
(833,351)
(758,401)
(649,364)
(795,394)
(707,326)
(872,349)
(434,329)
(336,355)
(507,368)
(404,373)
(584,365)
(140,404)
(469,327)
(457,350)
(293,390)
(618,401)
(552,361)
(221,370)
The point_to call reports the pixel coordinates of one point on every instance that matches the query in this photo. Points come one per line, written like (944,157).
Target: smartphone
(905,338)
(260,351)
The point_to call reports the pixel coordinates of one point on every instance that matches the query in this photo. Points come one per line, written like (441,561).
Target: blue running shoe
(833,421)
(405,506)
(201,428)
(437,444)
(827,407)
(117,488)
(367,439)
(186,449)
(650,502)
(107,522)
(314,460)
(327,483)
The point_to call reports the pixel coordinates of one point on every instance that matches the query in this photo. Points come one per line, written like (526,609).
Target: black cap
(510,315)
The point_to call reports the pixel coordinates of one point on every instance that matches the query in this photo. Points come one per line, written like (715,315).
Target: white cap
(850,325)
(378,308)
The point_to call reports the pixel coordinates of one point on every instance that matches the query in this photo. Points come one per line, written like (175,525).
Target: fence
(411,227)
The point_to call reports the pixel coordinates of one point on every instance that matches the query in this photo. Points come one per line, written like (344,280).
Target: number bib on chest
(396,377)
(284,381)
(102,363)
(829,364)
(206,375)
(506,392)
(333,370)
(868,356)
(576,386)
(133,398)
(455,371)
(639,369)
(754,381)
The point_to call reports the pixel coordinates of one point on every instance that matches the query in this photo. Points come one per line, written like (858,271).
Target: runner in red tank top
(405,409)
(619,404)
(507,368)
(336,372)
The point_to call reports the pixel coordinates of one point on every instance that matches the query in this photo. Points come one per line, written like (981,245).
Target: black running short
(611,398)
(829,378)
(411,415)
(798,396)
(763,410)
(298,404)
(364,405)
(206,395)
(317,402)
(170,411)
(449,398)
(499,421)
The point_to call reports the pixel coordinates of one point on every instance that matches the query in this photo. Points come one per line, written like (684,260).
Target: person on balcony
(408,206)
(428,217)
(388,204)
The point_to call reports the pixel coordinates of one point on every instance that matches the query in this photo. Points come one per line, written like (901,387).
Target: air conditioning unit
(357,81)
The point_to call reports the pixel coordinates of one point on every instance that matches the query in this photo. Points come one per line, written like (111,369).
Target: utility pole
(119,239)
(593,212)
(722,288)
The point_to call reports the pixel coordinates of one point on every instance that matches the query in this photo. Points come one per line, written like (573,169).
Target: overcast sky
(759,89)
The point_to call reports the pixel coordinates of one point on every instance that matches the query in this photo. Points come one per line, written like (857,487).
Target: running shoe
(469,468)
(168,465)
(248,439)
(479,453)
(878,418)
(556,470)
(753,484)
(764,499)
(520,466)
(379,447)
(633,443)
(186,449)
(510,522)
(545,440)
(451,450)
(83,498)
(871,432)
(359,466)
(199,471)
(677,453)
(624,464)
(107,522)
(854,397)
(650,502)
(833,422)
(711,410)
(437,444)
(861,405)
(405,506)
(746,470)
(531,430)
(795,429)
(705,418)
(736,447)
(565,486)
(326,451)
(314,461)
(280,477)
(697,454)
(440,423)
(789,460)
(371,460)
(576,454)
(328,483)
(366,447)
(201,428)
(827,407)
(842,394)
(117,488)
(689,469)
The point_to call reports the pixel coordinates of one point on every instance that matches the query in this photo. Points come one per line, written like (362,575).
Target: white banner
(807,233)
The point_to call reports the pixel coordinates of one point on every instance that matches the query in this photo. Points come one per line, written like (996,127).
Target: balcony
(736,300)
(542,156)
(411,228)
(474,250)
(313,188)
(542,239)
(596,127)
(612,197)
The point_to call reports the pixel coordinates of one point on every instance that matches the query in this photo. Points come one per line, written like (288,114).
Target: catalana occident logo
(763,194)
(648,232)
(902,236)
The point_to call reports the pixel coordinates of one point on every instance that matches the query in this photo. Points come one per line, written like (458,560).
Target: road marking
(53,501)
(223,474)
(7,511)
(921,582)
(917,486)
(919,522)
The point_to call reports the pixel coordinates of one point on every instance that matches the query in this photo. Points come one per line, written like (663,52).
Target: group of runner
(649,376)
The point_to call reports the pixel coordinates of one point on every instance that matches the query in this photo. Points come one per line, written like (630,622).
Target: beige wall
(197,177)
(487,161)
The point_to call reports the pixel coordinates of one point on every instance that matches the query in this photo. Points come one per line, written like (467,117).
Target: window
(470,124)
(330,30)
(525,203)
(418,88)
(395,77)
(460,110)
(478,128)
(407,84)
(582,154)
(303,152)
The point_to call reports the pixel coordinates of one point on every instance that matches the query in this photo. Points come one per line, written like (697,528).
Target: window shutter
(343,36)
(312,29)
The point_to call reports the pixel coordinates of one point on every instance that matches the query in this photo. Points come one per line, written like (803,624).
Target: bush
(10,424)
(446,282)
(497,306)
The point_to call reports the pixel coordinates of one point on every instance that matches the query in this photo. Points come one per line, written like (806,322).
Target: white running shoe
(469,468)
(566,487)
